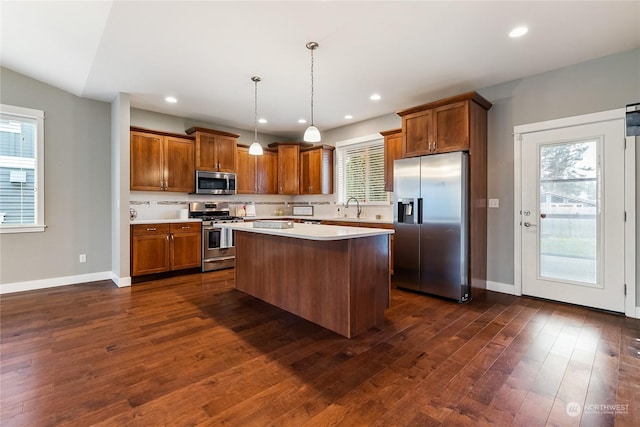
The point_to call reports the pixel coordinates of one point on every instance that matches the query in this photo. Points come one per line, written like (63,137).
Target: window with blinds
(361,172)
(21,164)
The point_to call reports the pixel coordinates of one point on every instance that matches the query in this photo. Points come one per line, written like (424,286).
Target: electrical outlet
(494,203)
(83,257)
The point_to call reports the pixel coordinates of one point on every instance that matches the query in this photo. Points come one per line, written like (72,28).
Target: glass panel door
(569,209)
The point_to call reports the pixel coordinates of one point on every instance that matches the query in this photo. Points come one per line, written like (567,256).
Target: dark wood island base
(342,285)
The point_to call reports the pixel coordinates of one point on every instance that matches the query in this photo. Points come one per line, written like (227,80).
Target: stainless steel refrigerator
(431,223)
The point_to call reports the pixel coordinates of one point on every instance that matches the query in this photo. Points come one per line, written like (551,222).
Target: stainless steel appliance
(431,225)
(215,182)
(218,251)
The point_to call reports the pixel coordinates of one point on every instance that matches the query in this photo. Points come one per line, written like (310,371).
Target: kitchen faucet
(358,209)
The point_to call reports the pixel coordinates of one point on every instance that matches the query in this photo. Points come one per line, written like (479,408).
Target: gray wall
(77,186)
(603,84)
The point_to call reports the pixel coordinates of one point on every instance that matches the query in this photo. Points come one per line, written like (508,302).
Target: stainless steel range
(218,251)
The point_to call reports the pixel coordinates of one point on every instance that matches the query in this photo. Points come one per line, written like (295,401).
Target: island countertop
(311,231)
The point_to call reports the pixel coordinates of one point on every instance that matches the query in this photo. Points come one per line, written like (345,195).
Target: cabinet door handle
(172,237)
(162,185)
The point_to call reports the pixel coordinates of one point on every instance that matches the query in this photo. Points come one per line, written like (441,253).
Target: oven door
(217,248)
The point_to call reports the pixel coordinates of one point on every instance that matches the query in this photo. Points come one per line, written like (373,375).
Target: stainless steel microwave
(215,182)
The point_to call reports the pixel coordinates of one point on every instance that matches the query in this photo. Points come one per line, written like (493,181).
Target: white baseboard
(501,287)
(120,282)
(31,285)
(637,316)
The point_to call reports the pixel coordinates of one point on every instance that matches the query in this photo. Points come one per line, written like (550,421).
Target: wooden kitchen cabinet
(442,126)
(215,150)
(316,170)
(392,151)
(256,174)
(149,249)
(267,172)
(288,167)
(158,248)
(161,161)
(185,245)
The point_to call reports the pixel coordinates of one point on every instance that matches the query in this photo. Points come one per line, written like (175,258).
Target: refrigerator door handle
(419,210)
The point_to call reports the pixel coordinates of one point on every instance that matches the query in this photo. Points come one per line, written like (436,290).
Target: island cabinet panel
(341,285)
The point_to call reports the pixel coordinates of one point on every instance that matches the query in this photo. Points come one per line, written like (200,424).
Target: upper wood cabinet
(440,126)
(256,174)
(288,167)
(215,150)
(267,172)
(316,170)
(392,151)
(161,161)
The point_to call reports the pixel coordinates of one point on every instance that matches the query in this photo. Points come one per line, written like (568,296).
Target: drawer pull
(152,229)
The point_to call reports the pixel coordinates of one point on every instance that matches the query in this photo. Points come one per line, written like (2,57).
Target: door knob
(528,224)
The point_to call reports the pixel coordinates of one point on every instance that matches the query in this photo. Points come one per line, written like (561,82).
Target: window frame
(39,223)
(340,148)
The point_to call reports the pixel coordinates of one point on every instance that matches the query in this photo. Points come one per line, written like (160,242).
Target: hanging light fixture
(312,134)
(255,149)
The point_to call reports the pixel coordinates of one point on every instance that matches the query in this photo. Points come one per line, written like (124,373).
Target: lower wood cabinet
(157,248)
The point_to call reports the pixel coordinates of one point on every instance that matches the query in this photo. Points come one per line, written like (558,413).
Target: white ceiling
(205,53)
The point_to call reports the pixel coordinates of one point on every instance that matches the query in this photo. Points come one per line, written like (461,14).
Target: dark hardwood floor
(192,351)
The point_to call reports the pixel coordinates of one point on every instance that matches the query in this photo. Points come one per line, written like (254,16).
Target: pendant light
(312,134)
(255,149)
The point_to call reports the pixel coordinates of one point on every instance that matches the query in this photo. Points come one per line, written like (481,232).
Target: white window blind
(21,169)
(361,172)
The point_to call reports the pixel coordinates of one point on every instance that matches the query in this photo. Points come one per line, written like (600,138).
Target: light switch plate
(494,203)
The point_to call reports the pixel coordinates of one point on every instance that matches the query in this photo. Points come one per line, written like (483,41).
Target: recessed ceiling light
(348,117)
(302,121)
(171,99)
(263,120)
(375,97)
(518,32)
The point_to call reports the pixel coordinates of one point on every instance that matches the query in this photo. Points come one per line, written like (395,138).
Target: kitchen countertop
(163,221)
(320,218)
(311,231)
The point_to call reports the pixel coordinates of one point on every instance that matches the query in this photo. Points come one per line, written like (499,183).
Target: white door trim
(629,196)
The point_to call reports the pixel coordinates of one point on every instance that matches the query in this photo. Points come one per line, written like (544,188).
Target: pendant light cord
(312,85)
(255,111)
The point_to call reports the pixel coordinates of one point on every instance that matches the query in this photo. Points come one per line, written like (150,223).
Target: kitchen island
(334,276)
